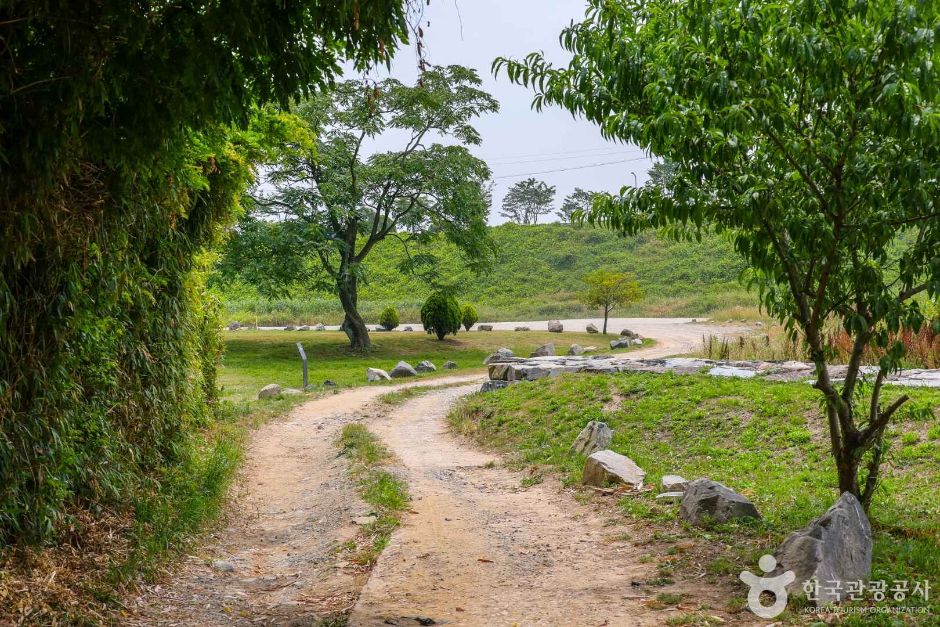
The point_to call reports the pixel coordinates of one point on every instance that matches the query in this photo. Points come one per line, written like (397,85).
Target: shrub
(389,318)
(470,316)
(441,314)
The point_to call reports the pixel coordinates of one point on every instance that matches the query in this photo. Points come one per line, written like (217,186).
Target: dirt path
(478,549)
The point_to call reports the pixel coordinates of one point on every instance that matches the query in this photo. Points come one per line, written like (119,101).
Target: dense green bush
(389,318)
(441,314)
(470,316)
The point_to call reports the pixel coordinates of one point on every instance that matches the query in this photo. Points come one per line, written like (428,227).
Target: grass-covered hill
(537,276)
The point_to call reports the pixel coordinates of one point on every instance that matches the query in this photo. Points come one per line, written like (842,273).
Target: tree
(333,204)
(389,318)
(660,175)
(441,314)
(609,290)
(469,316)
(527,200)
(577,201)
(825,176)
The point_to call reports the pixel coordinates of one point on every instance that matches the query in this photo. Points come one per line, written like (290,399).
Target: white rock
(603,468)
(376,374)
(674,483)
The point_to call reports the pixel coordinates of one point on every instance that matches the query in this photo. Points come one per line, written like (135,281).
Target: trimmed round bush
(470,316)
(389,318)
(441,315)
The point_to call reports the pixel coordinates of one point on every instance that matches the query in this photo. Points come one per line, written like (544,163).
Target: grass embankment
(766,440)
(537,276)
(255,358)
(386,493)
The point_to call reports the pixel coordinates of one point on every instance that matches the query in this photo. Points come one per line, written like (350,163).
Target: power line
(562,158)
(579,167)
(548,154)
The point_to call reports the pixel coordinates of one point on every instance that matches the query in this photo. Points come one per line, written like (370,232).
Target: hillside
(537,275)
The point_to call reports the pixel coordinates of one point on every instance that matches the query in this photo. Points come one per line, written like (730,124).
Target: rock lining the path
(403,369)
(377,374)
(545,350)
(595,436)
(554,326)
(604,468)
(426,366)
(269,391)
(706,501)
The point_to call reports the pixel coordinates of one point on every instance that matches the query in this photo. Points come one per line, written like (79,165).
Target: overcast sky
(518,141)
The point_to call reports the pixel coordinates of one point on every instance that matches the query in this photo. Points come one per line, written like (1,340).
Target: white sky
(518,140)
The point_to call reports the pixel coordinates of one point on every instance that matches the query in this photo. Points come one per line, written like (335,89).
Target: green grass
(766,440)
(255,358)
(537,276)
(384,491)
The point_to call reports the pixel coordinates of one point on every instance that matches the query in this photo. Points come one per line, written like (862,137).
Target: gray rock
(291,392)
(595,436)
(224,566)
(627,333)
(589,349)
(328,383)
(500,354)
(490,386)
(403,369)
(269,391)
(837,546)
(484,327)
(450,365)
(621,343)
(604,468)
(576,349)
(709,501)
(426,366)
(290,327)
(303,328)
(362,521)
(758,324)
(522,329)
(319,327)
(545,350)
(554,326)
(234,326)
(591,329)
(637,341)
(408,329)
(670,497)
(674,483)
(376,374)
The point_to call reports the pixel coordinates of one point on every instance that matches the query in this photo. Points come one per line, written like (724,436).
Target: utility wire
(563,158)
(578,167)
(548,154)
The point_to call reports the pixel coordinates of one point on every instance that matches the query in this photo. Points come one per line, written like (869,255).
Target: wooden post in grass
(303,359)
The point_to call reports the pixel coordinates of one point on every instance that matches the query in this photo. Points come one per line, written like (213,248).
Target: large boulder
(591,328)
(554,326)
(595,436)
(403,369)
(484,327)
(709,501)
(426,366)
(627,333)
(604,468)
(450,365)
(500,354)
(621,343)
(545,350)
(269,391)
(837,546)
(576,349)
(377,374)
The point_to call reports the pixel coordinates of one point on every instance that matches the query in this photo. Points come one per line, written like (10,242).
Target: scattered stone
(758,324)
(595,436)
(319,327)
(362,521)
(588,349)
(234,326)
(621,343)
(403,369)
(224,566)
(627,333)
(837,546)
(376,374)
(705,501)
(484,327)
(554,326)
(303,328)
(291,392)
(290,327)
(450,365)
(670,497)
(637,341)
(522,329)
(270,390)
(426,366)
(545,350)
(408,329)
(576,349)
(489,386)
(674,483)
(328,383)
(591,329)
(500,354)
(604,468)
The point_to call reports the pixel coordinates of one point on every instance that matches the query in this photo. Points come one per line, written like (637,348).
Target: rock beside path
(604,468)
(522,329)
(269,391)
(595,436)
(622,343)
(709,501)
(426,366)
(377,374)
(484,327)
(545,350)
(490,386)
(500,354)
(674,483)
(576,349)
(837,546)
(554,326)
(591,329)
(403,369)
(450,365)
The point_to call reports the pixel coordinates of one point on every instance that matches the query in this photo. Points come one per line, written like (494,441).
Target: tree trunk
(353,325)
(605,320)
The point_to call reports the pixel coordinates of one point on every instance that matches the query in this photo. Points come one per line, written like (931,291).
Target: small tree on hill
(807,131)
(527,200)
(610,290)
(579,200)
(470,316)
(441,314)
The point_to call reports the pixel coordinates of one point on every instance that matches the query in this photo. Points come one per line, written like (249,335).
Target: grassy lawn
(763,439)
(255,358)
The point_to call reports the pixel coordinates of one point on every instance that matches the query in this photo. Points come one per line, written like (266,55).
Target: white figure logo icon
(776,585)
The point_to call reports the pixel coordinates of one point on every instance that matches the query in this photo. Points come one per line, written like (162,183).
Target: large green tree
(809,131)
(330,201)
(119,165)
(577,202)
(527,200)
